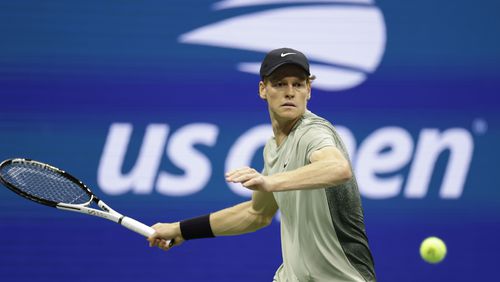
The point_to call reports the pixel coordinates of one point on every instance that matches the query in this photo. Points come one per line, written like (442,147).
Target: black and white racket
(50,186)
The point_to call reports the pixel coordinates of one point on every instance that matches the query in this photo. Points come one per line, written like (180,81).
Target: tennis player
(307,175)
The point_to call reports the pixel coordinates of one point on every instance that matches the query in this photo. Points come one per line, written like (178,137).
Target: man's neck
(281,128)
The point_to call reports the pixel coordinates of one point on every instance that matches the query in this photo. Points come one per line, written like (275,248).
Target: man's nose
(290,91)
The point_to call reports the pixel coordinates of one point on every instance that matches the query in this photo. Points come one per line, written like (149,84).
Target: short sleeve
(316,138)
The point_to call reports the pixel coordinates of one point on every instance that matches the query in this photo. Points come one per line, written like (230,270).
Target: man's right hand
(166,232)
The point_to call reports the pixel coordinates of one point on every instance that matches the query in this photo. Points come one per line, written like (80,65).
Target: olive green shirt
(322,230)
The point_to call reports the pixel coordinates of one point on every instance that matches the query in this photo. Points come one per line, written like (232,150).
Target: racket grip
(141,228)
(137,226)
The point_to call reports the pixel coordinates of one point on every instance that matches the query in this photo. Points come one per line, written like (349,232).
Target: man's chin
(291,114)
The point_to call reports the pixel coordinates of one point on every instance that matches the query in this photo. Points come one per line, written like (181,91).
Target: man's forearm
(237,220)
(312,176)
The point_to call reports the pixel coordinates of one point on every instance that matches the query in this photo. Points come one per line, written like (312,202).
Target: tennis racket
(50,186)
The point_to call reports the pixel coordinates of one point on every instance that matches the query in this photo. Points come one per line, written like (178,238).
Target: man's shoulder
(311,121)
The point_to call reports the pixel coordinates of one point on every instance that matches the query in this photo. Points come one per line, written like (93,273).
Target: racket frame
(106,211)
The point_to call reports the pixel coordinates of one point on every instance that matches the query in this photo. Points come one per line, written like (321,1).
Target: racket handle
(141,228)
(137,226)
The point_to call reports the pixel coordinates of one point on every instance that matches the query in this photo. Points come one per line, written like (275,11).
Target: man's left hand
(250,178)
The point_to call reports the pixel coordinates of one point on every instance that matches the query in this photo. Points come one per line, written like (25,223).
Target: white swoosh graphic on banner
(228,4)
(347,41)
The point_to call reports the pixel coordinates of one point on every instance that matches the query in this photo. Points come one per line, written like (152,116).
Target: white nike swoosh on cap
(286,54)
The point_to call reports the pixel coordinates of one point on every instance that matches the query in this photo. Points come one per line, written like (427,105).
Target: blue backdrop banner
(151,102)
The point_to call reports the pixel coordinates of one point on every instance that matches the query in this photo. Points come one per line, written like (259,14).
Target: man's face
(286,91)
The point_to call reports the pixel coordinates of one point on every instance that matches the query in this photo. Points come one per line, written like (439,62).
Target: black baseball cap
(282,56)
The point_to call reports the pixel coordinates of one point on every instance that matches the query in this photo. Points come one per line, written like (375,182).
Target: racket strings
(45,183)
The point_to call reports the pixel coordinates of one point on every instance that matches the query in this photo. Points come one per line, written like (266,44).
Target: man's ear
(262,90)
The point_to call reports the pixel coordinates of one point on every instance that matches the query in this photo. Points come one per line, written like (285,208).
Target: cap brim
(270,71)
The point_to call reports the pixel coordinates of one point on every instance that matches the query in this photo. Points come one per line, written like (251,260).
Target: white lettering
(141,178)
(430,145)
(377,162)
(181,152)
(374,158)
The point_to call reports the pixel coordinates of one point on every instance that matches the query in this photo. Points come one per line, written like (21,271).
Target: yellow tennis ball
(433,250)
